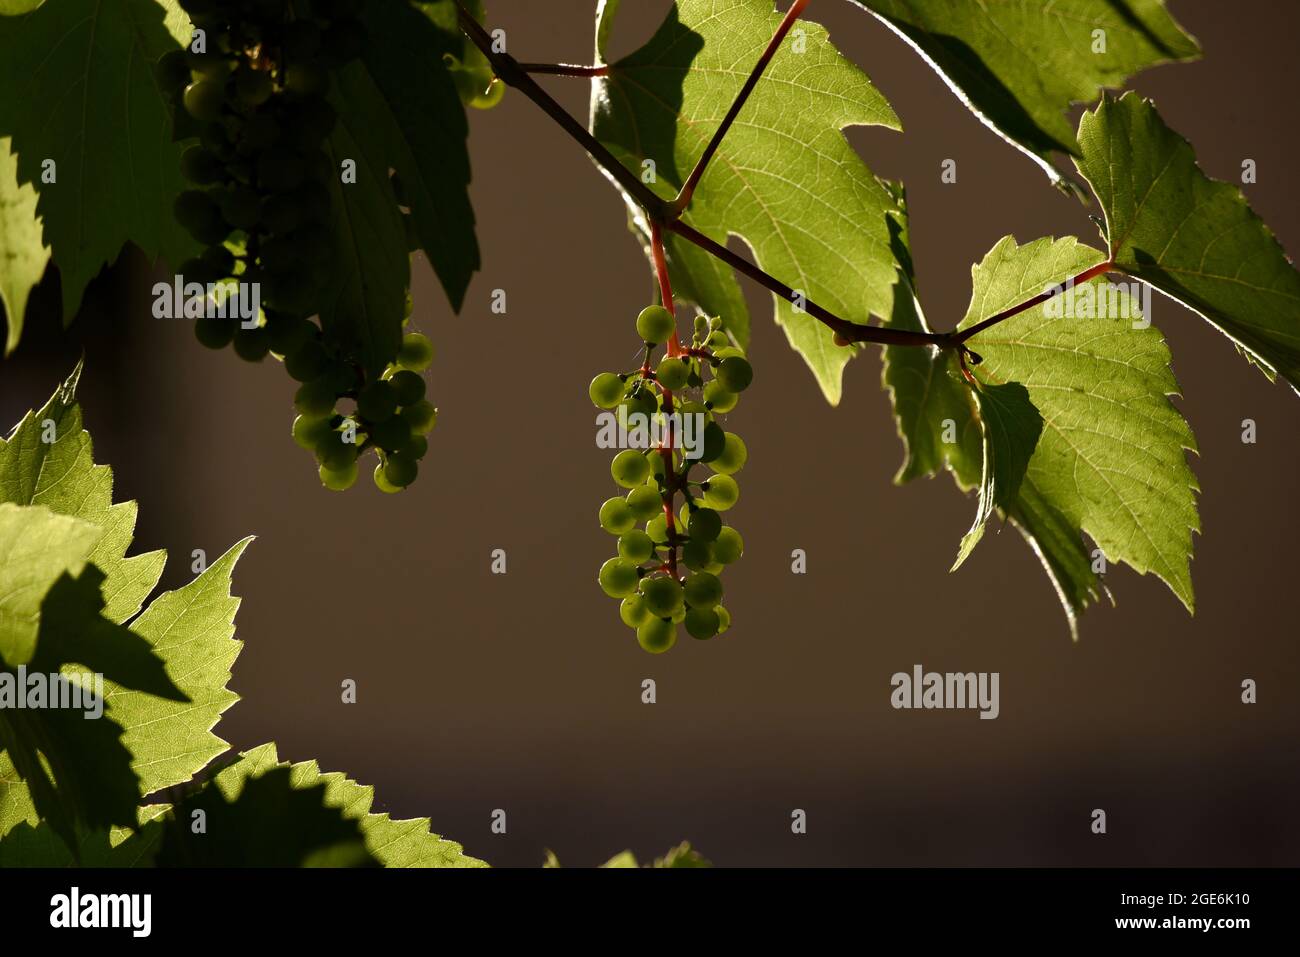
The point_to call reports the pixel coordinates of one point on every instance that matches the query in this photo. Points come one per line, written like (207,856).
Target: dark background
(522,691)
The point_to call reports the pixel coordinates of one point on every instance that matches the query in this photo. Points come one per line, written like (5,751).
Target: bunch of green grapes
(257,99)
(669,556)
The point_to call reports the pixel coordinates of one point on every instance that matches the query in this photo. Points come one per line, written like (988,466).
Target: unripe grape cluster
(669,556)
(255,94)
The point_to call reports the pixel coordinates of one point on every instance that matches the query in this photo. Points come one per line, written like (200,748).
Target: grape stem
(564,69)
(674,348)
(665,215)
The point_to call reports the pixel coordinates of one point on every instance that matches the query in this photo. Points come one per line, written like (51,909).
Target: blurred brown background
(522,691)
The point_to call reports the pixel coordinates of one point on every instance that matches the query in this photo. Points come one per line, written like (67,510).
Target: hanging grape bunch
(256,97)
(669,557)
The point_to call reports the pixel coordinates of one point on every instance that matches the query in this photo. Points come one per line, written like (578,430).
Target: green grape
(702,590)
(724,618)
(309,432)
(633,612)
(214,333)
(415,353)
(729,546)
(382,483)
(733,456)
(617,578)
(714,442)
(701,327)
(630,468)
(200,270)
(657,467)
(663,595)
(253,87)
(735,373)
(288,334)
(692,407)
(657,528)
(394,435)
(242,208)
(408,385)
(261,132)
(672,373)
(307,362)
(339,479)
(279,214)
(204,100)
(656,635)
(280,170)
(252,345)
(721,492)
(420,416)
(315,399)
(200,165)
(704,524)
(173,70)
(717,340)
(401,471)
(644,501)
(636,546)
(697,555)
(615,517)
(334,453)
(655,324)
(414,447)
(606,390)
(220,259)
(377,401)
(195,210)
(718,399)
(702,623)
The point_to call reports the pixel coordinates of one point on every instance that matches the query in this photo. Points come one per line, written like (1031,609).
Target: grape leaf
(263,820)
(48,461)
(393,843)
(23,254)
(1193,238)
(192,630)
(398,111)
(1019,64)
(1011,428)
(28,845)
(169,739)
(1111,457)
(80,91)
(937,419)
(74,767)
(785,179)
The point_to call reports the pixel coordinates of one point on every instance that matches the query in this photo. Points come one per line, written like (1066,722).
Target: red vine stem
(564,69)
(688,190)
(674,348)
